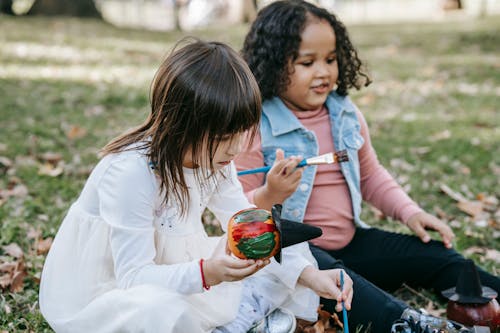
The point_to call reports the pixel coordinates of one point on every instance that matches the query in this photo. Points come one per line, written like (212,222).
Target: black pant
(380,261)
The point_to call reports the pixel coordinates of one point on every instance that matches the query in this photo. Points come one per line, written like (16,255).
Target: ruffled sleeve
(127,192)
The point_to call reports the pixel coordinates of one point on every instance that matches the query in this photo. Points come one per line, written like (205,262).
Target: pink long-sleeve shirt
(378,187)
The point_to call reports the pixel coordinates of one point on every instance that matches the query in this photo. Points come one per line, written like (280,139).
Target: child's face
(315,71)
(226,151)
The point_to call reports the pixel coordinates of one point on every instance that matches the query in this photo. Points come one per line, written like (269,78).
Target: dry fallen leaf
(48,169)
(5,163)
(33,233)
(75,132)
(44,245)
(473,208)
(18,190)
(490,203)
(13,250)
(457,196)
(8,267)
(17,283)
(484,252)
(50,157)
(5,280)
(13,276)
(326,323)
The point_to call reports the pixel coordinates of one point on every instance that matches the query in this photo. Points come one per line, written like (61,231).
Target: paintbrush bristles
(341,156)
(329,158)
(322,159)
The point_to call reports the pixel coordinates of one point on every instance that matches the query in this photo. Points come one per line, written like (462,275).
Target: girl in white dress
(132,254)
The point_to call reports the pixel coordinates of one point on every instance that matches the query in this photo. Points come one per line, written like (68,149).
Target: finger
(421,233)
(232,262)
(278,167)
(446,233)
(290,166)
(348,301)
(292,182)
(238,274)
(296,176)
(280,154)
(348,291)
(263,263)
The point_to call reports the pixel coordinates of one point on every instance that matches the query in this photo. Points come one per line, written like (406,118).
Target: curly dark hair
(274,39)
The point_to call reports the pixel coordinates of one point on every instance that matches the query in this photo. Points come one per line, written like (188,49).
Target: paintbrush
(330,158)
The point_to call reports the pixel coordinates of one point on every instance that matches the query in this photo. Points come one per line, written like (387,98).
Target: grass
(67,86)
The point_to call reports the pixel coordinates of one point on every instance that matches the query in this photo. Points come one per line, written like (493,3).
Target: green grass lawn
(67,86)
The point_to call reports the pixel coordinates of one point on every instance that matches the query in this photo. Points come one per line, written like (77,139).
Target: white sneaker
(278,321)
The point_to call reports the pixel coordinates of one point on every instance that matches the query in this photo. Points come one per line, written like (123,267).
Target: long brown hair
(202,93)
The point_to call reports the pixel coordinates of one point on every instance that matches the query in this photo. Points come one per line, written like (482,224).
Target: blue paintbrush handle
(266,169)
(252,171)
(344,311)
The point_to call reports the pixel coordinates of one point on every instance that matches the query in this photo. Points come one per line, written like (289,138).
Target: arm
(127,193)
(224,203)
(380,189)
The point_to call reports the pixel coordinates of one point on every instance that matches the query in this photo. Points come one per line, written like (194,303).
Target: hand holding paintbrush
(330,158)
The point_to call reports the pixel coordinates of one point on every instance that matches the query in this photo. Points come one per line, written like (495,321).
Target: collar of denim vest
(282,120)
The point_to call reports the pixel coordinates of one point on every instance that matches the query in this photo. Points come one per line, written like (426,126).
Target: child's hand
(421,221)
(221,266)
(326,283)
(283,178)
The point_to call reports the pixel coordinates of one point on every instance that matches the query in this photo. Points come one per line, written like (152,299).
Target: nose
(322,69)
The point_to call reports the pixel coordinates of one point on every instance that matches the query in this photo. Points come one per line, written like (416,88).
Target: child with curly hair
(305,63)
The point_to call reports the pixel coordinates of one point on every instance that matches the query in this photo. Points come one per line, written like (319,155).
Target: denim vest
(280,128)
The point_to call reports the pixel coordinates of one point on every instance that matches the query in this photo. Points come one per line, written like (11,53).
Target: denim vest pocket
(353,140)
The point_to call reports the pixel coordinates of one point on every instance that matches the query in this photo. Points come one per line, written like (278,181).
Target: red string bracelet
(205,286)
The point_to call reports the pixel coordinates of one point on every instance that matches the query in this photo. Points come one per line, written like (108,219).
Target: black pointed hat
(469,289)
(292,232)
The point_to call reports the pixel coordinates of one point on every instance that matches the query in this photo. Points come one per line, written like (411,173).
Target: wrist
(306,278)
(265,198)
(204,283)
(208,274)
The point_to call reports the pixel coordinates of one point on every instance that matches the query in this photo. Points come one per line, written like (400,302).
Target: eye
(306,63)
(331,60)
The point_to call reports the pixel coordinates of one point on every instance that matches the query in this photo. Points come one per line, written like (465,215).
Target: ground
(67,86)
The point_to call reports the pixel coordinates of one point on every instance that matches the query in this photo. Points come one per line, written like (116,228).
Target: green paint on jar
(257,247)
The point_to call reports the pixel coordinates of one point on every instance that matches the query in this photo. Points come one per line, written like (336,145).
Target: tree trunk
(80,8)
(177,7)
(6,7)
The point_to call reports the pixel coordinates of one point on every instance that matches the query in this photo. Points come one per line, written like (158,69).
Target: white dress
(123,262)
